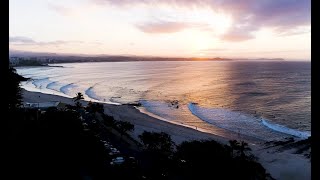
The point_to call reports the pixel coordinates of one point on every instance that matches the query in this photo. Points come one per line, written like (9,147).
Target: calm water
(265,100)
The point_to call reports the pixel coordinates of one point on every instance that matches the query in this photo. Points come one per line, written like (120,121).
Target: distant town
(43,59)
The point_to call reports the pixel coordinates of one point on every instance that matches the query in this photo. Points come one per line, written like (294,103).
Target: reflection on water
(277,91)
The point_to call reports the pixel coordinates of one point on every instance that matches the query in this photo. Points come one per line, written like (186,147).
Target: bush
(200,159)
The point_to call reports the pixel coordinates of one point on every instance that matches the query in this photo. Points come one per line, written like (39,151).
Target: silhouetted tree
(234,145)
(240,147)
(243,148)
(108,120)
(14,90)
(202,159)
(94,107)
(124,126)
(78,97)
(157,141)
(158,152)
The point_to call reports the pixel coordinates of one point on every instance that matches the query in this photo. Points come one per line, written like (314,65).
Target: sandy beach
(280,164)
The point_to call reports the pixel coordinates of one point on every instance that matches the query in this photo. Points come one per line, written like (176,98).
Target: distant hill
(18,56)
(271,59)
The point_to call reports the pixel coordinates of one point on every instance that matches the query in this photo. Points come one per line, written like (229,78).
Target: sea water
(266,100)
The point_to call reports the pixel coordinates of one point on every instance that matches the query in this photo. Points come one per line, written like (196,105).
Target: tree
(79,96)
(78,105)
(243,148)
(108,120)
(234,145)
(200,159)
(14,90)
(240,147)
(94,107)
(158,152)
(157,142)
(124,127)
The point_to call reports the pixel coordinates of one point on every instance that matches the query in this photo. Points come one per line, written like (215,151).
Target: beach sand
(281,165)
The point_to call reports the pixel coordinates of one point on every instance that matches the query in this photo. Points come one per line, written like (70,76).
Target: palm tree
(234,145)
(243,148)
(79,96)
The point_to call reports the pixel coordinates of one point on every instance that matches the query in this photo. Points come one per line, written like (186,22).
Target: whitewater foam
(38,83)
(54,86)
(242,123)
(271,90)
(286,130)
(66,89)
(89,92)
(94,97)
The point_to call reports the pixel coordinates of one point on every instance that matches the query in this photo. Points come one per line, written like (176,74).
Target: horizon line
(41,54)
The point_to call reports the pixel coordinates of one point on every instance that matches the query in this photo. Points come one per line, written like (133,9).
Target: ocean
(266,100)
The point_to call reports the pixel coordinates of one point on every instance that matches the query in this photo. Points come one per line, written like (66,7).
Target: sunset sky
(171,28)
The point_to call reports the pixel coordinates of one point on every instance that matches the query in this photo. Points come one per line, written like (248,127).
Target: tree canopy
(125,126)
(14,90)
(78,97)
(154,141)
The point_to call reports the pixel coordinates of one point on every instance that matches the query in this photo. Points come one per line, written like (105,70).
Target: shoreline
(139,119)
(283,164)
(140,114)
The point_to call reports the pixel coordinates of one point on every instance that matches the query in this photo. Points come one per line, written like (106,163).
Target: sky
(167,28)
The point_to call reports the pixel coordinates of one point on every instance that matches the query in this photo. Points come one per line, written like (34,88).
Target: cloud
(239,33)
(214,49)
(167,26)
(281,15)
(296,31)
(161,27)
(236,37)
(148,2)
(26,41)
(59,9)
(21,39)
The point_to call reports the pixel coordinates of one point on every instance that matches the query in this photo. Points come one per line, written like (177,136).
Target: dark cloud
(281,15)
